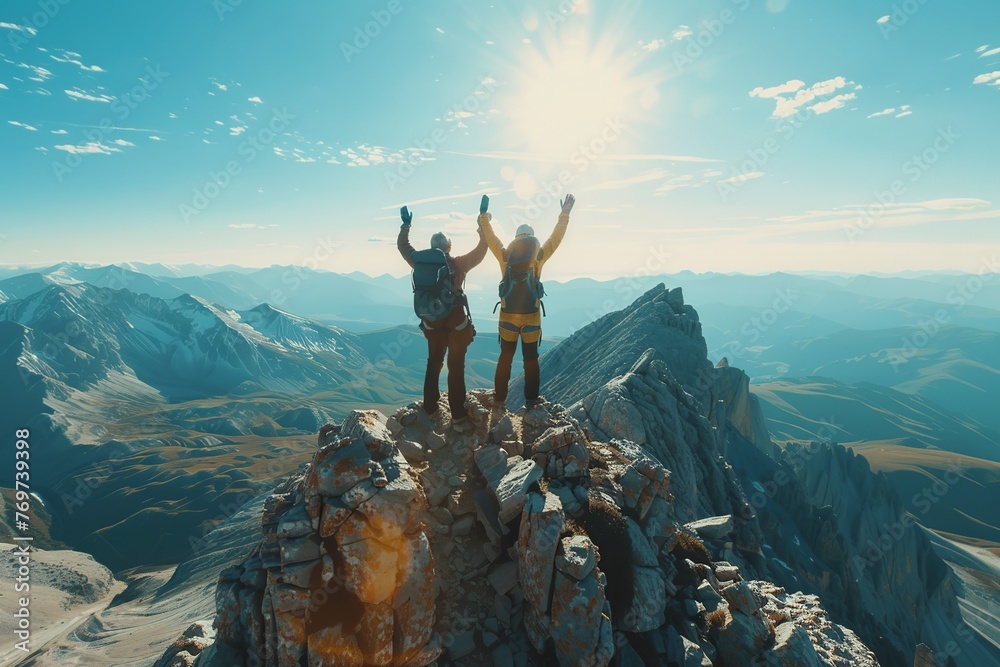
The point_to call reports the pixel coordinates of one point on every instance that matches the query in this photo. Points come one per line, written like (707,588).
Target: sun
(567,92)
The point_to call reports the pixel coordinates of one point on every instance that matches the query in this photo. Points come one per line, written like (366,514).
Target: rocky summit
(643,517)
(523,541)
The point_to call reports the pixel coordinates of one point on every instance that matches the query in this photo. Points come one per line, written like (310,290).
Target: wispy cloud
(78,94)
(562,159)
(884,19)
(990,53)
(32,128)
(787,105)
(91,148)
(19,28)
(884,112)
(901,112)
(74,59)
(653,45)
(644,177)
(255,100)
(457,195)
(366,155)
(743,178)
(40,73)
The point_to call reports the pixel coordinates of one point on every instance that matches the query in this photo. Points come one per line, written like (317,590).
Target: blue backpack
(433,286)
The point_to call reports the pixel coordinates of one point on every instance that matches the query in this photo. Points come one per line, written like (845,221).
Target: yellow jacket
(496,246)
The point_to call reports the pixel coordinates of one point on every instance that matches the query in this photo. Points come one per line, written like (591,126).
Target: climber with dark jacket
(520,298)
(441,304)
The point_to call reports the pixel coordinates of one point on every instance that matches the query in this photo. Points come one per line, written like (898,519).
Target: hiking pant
(529,351)
(454,343)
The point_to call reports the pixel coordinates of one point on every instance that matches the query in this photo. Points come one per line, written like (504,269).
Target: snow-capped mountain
(181,347)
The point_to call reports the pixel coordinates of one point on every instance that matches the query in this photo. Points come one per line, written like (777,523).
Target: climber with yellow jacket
(520,298)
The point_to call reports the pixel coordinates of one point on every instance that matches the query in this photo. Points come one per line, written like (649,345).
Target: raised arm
(403,240)
(559,232)
(486,227)
(471,259)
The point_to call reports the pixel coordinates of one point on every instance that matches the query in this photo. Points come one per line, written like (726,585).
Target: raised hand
(484,205)
(405,214)
(567,204)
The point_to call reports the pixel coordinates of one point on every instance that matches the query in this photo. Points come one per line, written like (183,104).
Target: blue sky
(747,135)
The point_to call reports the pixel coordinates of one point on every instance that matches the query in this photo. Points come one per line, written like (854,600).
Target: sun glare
(567,93)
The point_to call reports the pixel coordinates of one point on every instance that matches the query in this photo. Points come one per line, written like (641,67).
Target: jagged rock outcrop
(343,571)
(526,541)
(801,527)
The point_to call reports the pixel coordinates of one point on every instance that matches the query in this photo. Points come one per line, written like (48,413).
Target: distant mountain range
(158,361)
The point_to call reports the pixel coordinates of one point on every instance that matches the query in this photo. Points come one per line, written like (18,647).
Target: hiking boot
(532,403)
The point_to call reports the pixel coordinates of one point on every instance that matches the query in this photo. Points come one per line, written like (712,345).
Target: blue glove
(407,217)
(484,205)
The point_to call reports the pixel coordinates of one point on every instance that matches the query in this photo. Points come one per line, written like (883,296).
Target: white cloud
(3,87)
(787,106)
(982,48)
(236,131)
(991,52)
(20,28)
(41,74)
(836,102)
(155,138)
(884,19)
(743,178)
(884,112)
(681,32)
(220,86)
(91,148)
(59,132)
(992,78)
(255,100)
(893,111)
(78,94)
(364,155)
(74,59)
(654,45)
(122,142)
(25,126)
(768,93)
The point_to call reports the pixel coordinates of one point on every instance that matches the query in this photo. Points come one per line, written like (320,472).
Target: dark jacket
(460,265)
